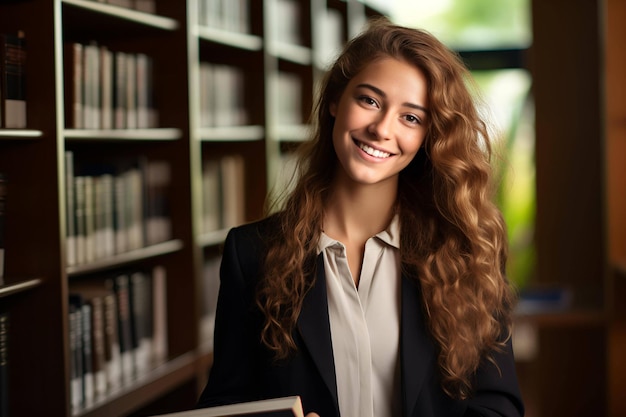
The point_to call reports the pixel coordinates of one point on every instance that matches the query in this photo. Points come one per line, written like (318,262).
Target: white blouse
(365,324)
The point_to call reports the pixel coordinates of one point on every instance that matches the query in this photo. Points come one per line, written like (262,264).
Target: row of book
(115,209)
(108,89)
(287,87)
(288,17)
(117,332)
(223,193)
(146,6)
(222,100)
(229,15)
(12,80)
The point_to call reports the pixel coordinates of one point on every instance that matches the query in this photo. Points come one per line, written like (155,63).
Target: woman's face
(380,121)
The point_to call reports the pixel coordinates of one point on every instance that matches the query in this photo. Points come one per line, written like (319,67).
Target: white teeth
(373,152)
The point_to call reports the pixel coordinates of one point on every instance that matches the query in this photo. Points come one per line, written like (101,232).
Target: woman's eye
(368,100)
(412,119)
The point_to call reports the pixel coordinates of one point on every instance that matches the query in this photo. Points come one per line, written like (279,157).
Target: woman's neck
(356,212)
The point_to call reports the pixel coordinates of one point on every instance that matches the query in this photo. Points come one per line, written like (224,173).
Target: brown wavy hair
(453,238)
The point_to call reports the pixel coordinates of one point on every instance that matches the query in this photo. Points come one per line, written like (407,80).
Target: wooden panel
(616,128)
(565,62)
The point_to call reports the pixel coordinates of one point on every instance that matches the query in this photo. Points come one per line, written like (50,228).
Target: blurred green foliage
(485,25)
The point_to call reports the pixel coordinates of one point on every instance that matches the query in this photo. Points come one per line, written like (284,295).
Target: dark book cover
(3,199)
(120,285)
(4,365)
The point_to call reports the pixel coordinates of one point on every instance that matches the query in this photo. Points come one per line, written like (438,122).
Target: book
(120,285)
(3,198)
(159,315)
(76,355)
(140,296)
(74,53)
(210,290)
(4,365)
(70,209)
(211,196)
(274,407)
(156,184)
(233,188)
(98,362)
(543,299)
(13,80)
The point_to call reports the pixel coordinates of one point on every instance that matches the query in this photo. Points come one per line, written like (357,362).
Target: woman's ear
(333,109)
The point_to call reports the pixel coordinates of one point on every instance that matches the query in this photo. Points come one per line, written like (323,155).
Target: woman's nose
(381,127)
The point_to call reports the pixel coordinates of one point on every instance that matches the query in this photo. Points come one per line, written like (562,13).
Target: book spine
(76,360)
(106,87)
(233,190)
(74,58)
(210,289)
(146,6)
(98,363)
(211,196)
(159,315)
(13,58)
(139,295)
(87,353)
(157,178)
(3,203)
(112,352)
(79,218)
(70,209)
(121,284)
(4,365)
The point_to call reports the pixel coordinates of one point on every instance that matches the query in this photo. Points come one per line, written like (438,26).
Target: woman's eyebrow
(382,94)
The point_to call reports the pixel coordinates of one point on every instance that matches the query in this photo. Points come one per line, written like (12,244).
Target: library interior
(134,134)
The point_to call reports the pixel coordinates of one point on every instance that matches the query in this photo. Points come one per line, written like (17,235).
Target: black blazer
(244,369)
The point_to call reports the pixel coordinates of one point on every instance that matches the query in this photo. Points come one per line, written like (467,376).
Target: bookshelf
(176,126)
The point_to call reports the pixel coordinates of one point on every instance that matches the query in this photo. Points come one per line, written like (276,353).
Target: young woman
(378,289)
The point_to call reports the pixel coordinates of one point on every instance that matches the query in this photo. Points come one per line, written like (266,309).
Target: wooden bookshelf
(38,277)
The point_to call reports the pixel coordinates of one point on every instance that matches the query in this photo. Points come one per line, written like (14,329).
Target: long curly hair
(453,238)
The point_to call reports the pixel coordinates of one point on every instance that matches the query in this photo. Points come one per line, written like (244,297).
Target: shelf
(126,258)
(232,133)
(213,238)
(123,13)
(293,133)
(161,134)
(19,287)
(20,134)
(230,38)
(146,388)
(293,53)
(565,318)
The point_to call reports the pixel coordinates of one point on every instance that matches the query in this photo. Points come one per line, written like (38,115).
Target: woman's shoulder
(257,233)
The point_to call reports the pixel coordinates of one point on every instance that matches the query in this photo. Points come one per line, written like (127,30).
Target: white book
(280,407)
(131,91)
(106,86)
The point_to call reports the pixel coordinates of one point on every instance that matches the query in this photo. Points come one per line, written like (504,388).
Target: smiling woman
(379,125)
(378,288)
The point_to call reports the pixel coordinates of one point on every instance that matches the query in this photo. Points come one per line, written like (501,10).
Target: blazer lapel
(314,327)
(416,348)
